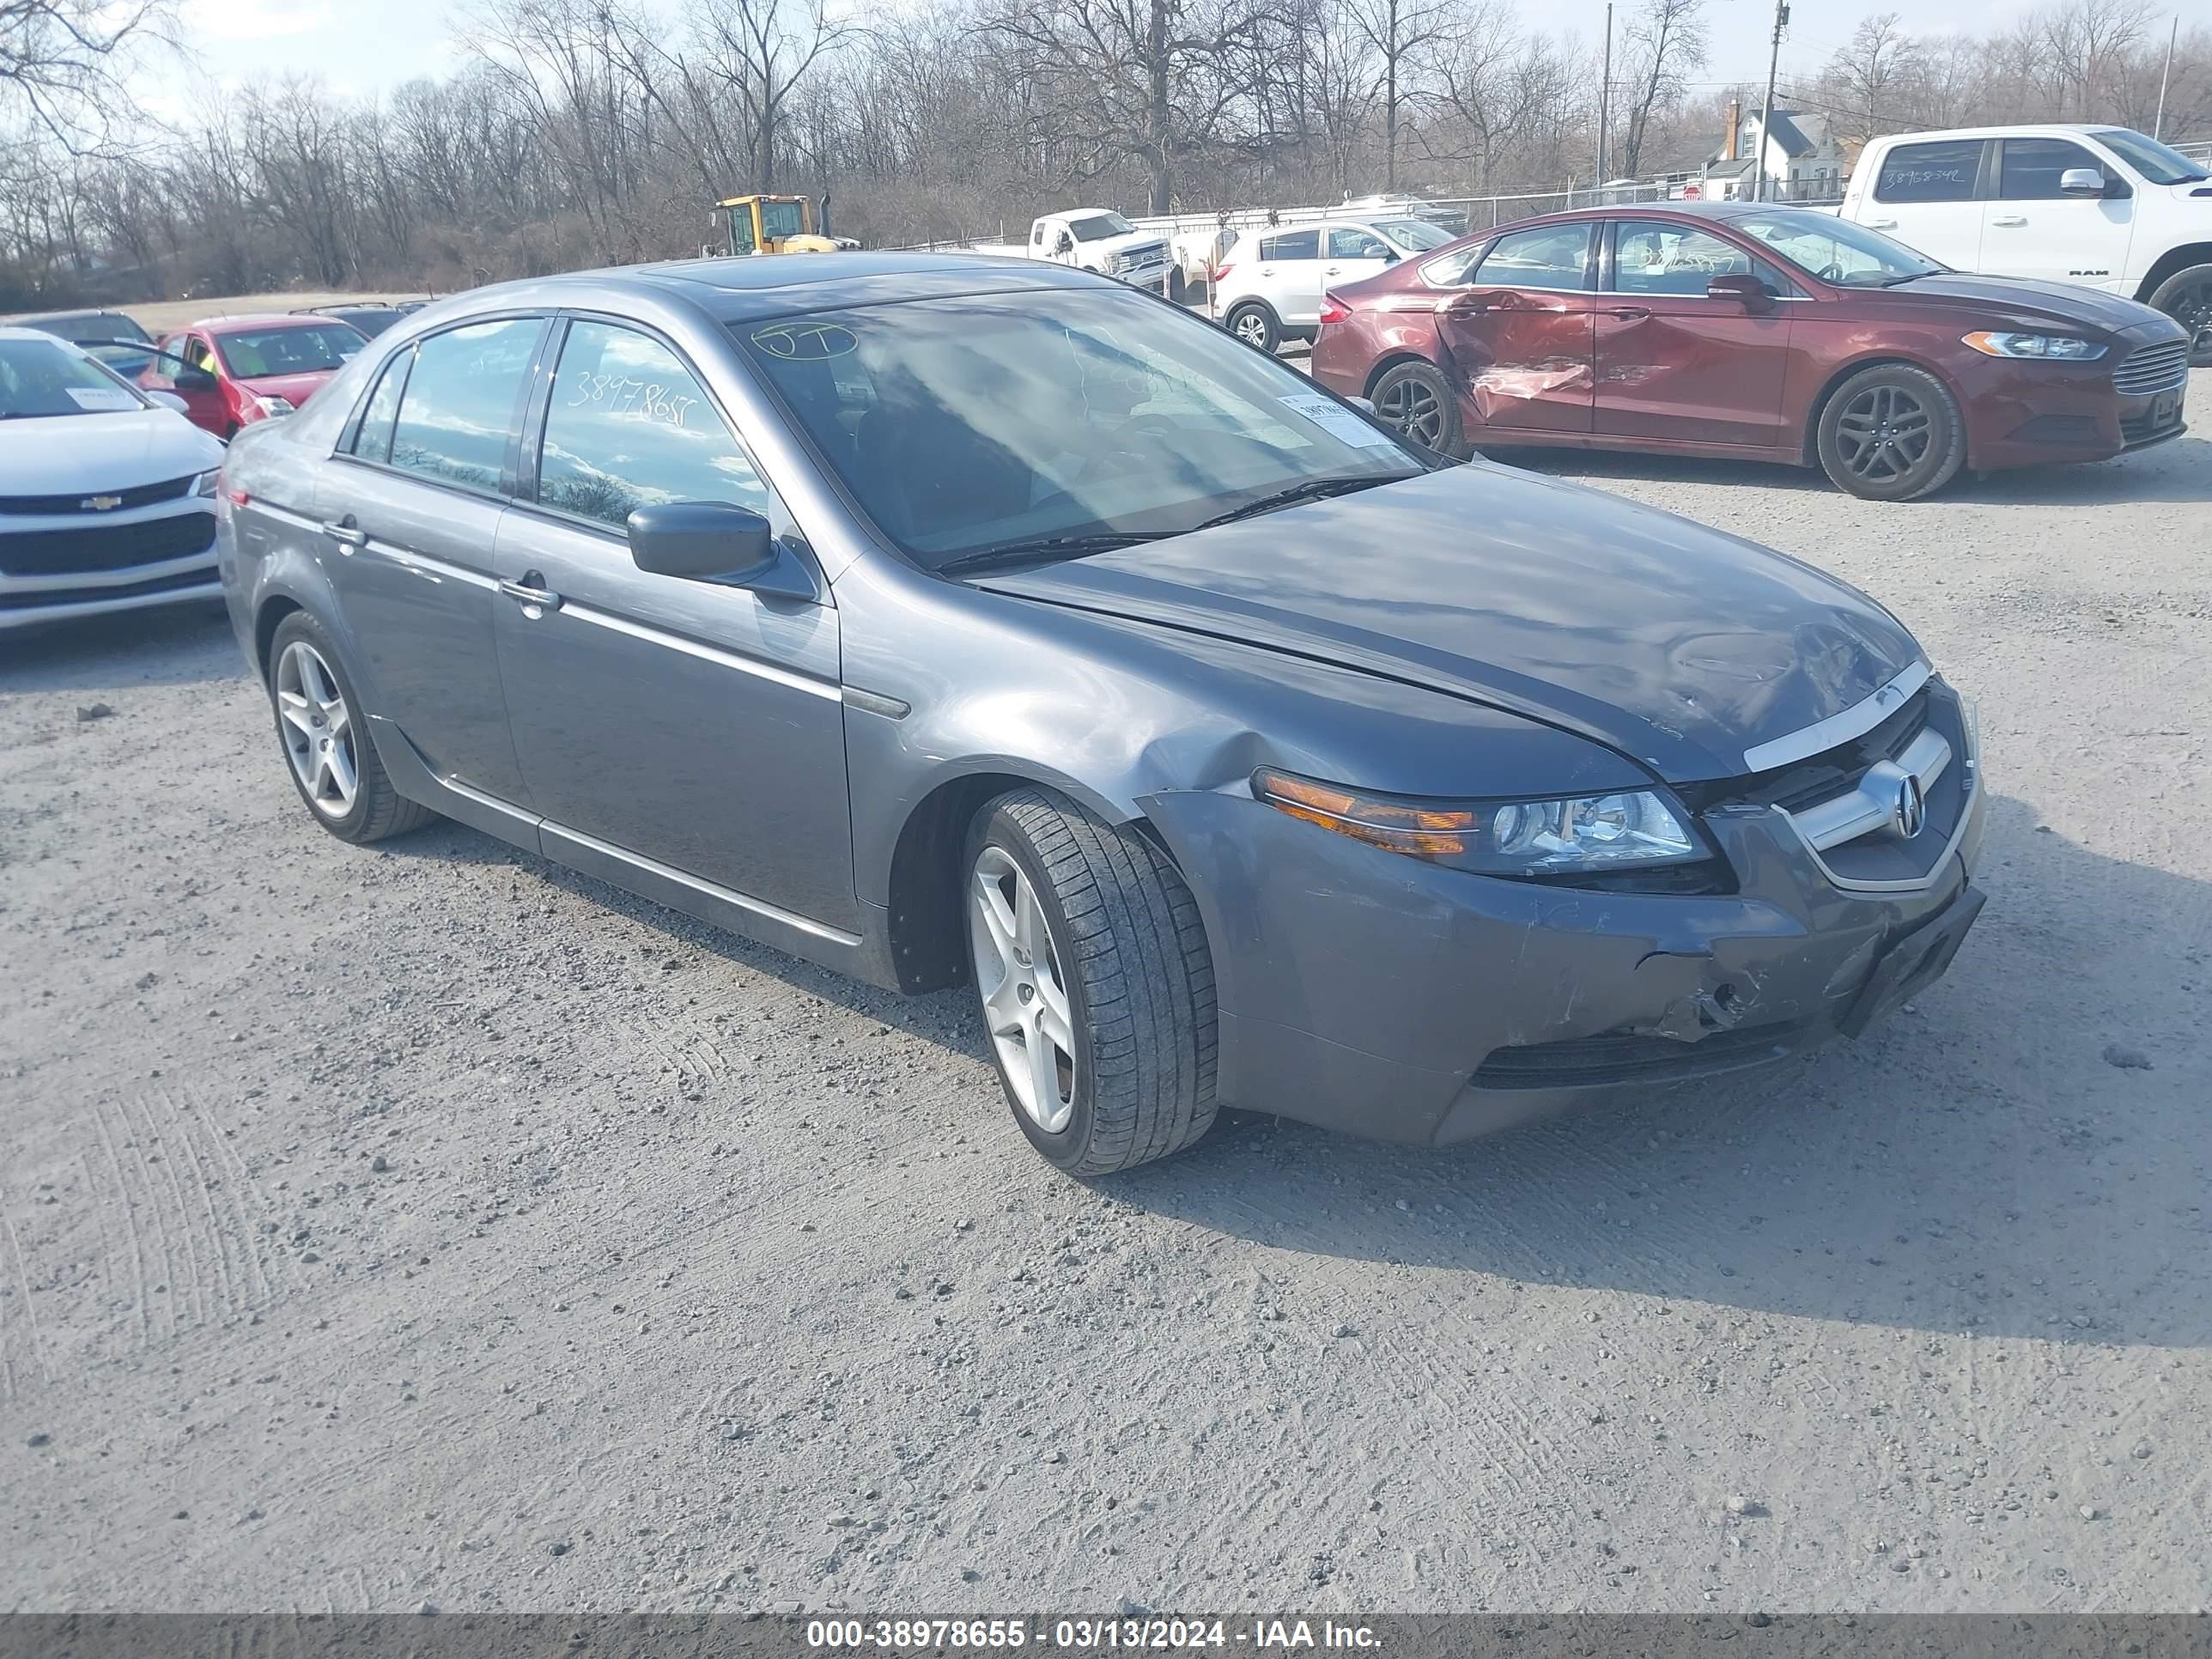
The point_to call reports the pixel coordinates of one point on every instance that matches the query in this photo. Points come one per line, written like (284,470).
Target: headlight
(1559,836)
(2056,347)
(204,484)
(273,405)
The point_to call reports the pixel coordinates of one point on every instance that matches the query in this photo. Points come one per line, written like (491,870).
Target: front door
(411,519)
(1927,196)
(1517,341)
(202,392)
(1351,253)
(1673,363)
(693,724)
(2031,227)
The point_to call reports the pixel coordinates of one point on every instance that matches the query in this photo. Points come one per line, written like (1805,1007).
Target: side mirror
(714,541)
(1743,288)
(170,400)
(193,379)
(1391,256)
(2081,181)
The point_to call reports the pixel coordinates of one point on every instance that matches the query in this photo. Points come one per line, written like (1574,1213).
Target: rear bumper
(1370,993)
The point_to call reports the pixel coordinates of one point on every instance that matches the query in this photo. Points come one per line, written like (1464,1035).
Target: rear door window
(1292,245)
(374,441)
(2031,169)
(461,400)
(1930,173)
(1551,257)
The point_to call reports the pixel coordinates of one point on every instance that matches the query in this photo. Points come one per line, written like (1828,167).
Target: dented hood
(1673,643)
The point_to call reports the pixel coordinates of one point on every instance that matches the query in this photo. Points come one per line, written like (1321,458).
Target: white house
(1801,157)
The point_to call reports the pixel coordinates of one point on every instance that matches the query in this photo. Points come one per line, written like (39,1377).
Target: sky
(371,45)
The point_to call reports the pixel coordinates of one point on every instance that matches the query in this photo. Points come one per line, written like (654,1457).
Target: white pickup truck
(1094,239)
(2103,207)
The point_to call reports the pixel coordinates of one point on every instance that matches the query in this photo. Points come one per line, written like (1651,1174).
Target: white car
(2102,207)
(1269,286)
(106,492)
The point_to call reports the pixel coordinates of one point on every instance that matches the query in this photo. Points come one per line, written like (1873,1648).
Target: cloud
(257,20)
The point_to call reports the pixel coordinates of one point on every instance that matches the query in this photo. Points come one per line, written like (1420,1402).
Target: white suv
(1268,286)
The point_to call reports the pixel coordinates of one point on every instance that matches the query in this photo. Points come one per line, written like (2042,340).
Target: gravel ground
(427,1225)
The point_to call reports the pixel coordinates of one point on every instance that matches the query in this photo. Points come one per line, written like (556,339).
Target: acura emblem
(1910,812)
(102,503)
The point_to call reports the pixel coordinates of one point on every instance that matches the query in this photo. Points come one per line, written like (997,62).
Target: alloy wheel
(2192,309)
(1413,409)
(318,729)
(1884,433)
(1252,328)
(1025,1005)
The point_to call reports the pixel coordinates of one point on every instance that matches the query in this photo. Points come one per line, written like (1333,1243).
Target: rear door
(1673,363)
(1518,340)
(412,504)
(1927,197)
(1289,277)
(2033,229)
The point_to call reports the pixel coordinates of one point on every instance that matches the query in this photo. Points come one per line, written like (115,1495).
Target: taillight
(1334,310)
(1221,273)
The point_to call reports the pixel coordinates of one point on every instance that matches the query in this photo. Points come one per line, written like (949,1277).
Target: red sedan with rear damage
(1753,331)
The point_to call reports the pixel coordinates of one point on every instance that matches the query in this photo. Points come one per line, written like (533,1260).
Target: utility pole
(1766,115)
(1604,97)
(2158,126)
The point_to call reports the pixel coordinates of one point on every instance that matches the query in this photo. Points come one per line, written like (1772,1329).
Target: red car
(1753,332)
(233,370)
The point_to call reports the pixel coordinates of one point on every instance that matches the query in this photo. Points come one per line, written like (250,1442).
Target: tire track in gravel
(188,1297)
(134,1235)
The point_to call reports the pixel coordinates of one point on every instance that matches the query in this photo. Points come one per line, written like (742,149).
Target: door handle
(348,534)
(543,597)
(1881,224)
(2010,219)
(1630,313)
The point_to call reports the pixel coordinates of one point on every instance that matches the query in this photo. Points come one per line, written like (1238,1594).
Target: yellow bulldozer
(777,224)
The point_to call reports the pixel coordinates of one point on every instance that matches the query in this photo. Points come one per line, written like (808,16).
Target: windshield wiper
(1049,550)
(1909,277)
(1312,489)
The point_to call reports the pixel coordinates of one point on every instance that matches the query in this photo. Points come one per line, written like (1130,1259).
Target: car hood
(64,454)
(295,388)
(1672,643)
(2022,296)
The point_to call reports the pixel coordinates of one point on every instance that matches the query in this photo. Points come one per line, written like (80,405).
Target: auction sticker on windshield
(102,399)
(1337,421)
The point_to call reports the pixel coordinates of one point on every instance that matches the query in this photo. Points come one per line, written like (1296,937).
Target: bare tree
(1401,34)
(755,54)
(61,64)
(1872,86)
(1666,40)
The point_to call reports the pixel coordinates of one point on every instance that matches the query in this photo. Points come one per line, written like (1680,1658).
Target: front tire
(1255,323)
(324,732)
(1416,401)
(1095,983)
(2186,296)
(1891,433)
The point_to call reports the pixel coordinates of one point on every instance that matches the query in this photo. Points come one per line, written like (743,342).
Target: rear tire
(2186,296)
(1254,322)
(1416,401)
(1095,983)
(1891,433)
(323,731)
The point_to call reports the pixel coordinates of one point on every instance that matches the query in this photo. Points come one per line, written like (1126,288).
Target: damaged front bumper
(1366,991)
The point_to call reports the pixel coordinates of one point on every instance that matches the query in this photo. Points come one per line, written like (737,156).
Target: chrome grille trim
(1859,719)
(1865,806)
(2149,370)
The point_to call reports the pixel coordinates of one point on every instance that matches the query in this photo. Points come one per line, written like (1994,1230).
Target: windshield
(1414,236)
(40,377)
(1097,225)
(2154,161)
(783,219)
(1835,250)
(964,426)
(294,348)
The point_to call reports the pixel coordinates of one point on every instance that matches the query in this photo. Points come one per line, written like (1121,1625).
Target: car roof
(779,284)
(257,320)
(2019,129)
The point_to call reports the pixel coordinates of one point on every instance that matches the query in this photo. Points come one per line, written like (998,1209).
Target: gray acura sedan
(949,619)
